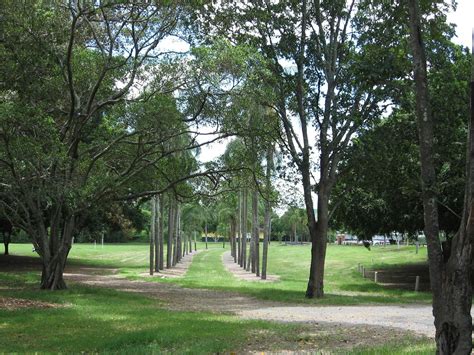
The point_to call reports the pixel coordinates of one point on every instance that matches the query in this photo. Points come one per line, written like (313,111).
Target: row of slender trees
(179,242)
(112,116)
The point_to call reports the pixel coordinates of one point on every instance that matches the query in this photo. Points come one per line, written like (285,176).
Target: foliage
(379,191)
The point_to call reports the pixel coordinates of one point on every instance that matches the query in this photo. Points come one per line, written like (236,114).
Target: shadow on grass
(107,320)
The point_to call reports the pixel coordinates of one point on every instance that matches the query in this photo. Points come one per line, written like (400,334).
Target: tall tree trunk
(190,244)
(250,258)
(161,232)
(169,249)
(152,235)
(450,267)
(185,244)
(233,237)
(268,212)
(266,238)
(244,228)
(176,243)
(317,232)
(195,244)
(230,238)
(239,231)
(255,233)
(157,232)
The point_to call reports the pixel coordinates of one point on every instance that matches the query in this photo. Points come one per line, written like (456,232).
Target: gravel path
(242,274)
(416,319)
(179,270)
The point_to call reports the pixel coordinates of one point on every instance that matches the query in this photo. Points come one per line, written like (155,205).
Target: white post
(95,244)
(376,278)
(417,283)
(102,240)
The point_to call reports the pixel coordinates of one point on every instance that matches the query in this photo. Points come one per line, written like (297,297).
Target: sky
(463,18)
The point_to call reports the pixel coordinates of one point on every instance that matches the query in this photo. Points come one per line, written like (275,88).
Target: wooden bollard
(417,283)
(363,271)
(376,276)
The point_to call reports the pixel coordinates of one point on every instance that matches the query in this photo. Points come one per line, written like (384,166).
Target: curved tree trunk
(54,252)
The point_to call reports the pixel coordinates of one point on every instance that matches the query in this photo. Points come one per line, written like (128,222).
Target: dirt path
(179,270)
(240,273)
(416,319)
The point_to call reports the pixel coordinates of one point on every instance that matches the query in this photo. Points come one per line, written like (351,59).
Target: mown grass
(343,284)
(107,321)
(93,320)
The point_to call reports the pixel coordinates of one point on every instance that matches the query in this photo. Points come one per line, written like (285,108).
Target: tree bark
(6,229)
(169,248)
(6,241)
(244,228)
(54,259)
(157,232)
(239,227)
(177,243)
(450,270)
(152,235)
(268,212)
(195,244)
(255,234)
(161,232)
(317,232)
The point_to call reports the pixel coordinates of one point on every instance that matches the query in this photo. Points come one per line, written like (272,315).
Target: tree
(450,265)
(98,125)
(6,229)
(152,235)
(318,89)
(268,210)
(75,110)
(379,191)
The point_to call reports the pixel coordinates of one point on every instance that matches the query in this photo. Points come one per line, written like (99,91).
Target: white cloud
(463,19)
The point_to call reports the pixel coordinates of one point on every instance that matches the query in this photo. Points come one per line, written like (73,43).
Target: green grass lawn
(101,320)
(95,320)
(343,284)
